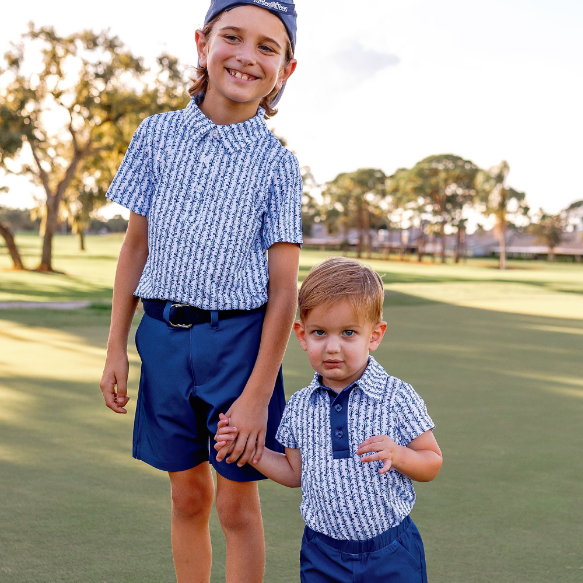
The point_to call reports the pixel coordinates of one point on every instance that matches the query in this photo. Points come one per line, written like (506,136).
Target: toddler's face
(338,342)
(245,55)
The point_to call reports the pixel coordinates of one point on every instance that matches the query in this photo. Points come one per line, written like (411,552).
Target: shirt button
(214,134)
(338,407)
(339,434)
(198,188)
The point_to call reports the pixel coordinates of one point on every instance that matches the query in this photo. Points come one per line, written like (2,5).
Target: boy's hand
(225,438)
(386,450)
(114,381)
(251,420)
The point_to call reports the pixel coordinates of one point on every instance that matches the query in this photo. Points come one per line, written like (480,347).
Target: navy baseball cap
(283,9)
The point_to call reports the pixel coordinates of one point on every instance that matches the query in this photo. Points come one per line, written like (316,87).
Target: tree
(549,231)
(443,184)
(99,91)
(8,236)
(353,199)
(501,201)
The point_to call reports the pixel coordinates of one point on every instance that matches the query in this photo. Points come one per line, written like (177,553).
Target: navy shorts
(395,556)
(188,377)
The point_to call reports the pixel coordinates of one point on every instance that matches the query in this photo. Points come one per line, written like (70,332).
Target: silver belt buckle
(170,314)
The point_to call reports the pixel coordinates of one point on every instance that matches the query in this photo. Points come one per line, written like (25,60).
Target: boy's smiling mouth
(239,75)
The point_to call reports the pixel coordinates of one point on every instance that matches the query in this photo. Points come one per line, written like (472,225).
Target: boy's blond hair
(337,279)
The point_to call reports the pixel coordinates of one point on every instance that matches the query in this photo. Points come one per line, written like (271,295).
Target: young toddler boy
(354,439)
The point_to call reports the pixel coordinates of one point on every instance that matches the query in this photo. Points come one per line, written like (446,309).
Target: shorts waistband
(357,547)
(185,316)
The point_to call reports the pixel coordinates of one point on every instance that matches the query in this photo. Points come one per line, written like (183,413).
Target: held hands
(249,421)
(386,450)
(225,438)
(115,374)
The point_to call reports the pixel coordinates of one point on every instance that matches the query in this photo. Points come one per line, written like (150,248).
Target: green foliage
(549,231)
(101,92)
(353,200)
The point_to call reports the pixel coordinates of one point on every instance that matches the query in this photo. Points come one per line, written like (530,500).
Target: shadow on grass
(504,390)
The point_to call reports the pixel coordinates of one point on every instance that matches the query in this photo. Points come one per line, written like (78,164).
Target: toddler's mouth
(239,75)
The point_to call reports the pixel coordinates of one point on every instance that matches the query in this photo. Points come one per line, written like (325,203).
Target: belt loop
(166,314)
(214,320)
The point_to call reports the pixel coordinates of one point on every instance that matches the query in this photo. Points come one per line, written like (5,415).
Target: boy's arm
(420,460)
(132,258)
(283,468)
(249,411)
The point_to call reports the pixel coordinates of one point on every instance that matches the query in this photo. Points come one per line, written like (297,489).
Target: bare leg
(240,515)
(192,499)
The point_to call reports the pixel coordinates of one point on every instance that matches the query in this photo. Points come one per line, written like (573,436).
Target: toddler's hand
(386,450)
(225,438)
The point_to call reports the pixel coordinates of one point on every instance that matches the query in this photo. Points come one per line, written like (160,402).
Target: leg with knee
(192,500)
(239,512)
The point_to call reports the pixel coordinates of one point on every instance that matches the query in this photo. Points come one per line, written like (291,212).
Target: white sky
(384,83)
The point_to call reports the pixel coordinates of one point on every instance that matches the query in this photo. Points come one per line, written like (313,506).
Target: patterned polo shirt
(342,497)
(216,198)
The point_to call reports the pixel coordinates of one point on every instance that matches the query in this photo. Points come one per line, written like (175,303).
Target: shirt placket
(339,422)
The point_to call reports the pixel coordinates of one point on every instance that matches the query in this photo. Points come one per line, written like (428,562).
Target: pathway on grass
(46,305)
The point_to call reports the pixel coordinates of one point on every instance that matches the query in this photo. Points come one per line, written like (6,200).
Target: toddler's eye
(318,333)
(349,333)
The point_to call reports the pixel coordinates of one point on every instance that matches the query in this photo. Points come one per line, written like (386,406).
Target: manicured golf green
(496,356)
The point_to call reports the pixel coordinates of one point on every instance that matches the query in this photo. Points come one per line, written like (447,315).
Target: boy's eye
(231,37)
(267,49)
(318,333)
(349,333)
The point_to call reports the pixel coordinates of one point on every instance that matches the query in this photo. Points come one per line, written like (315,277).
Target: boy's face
(338,342)
(245,54)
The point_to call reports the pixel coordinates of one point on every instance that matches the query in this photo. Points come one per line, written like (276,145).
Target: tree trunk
(551,255)
(12,247)
(458,244)
(52,216)
(360,227)
(81,235)
(421,244)
(367,237)
(503,246)
(442,235)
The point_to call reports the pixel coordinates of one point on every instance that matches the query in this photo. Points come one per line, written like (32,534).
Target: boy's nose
(245,57)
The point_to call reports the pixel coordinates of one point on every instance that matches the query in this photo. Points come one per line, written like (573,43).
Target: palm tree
(500,201)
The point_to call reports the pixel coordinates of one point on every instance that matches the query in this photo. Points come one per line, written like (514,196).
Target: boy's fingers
(260,448)
(249,449)
(387,464)
(367,448)
(372,458)
(238,449)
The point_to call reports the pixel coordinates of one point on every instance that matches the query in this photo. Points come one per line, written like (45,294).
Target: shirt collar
(371,383)
(234,137)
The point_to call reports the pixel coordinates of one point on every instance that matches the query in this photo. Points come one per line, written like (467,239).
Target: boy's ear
(285,73)
(377,334)
(300,334)
(201,47)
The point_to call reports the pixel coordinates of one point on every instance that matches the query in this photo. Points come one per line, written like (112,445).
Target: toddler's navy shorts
(188,377)
(394,556)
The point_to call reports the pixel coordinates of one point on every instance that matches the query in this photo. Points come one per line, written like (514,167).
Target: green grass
(500,371)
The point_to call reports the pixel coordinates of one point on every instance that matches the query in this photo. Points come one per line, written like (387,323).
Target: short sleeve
(133,184)
(287,432)
(411,412)
(282,221)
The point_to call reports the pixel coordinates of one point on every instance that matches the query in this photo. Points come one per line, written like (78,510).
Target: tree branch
(42,173)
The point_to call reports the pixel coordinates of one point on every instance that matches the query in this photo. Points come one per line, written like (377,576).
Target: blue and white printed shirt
(216,198)
(343,497)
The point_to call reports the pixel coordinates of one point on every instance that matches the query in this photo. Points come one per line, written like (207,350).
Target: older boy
(354,438)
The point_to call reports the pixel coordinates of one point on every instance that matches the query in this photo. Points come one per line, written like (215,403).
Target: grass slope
(504,389)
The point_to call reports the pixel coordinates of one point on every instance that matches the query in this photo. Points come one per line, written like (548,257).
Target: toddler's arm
(284,468)
(420,460)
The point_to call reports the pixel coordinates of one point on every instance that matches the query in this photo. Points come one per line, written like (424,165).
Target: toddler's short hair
(339,278)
